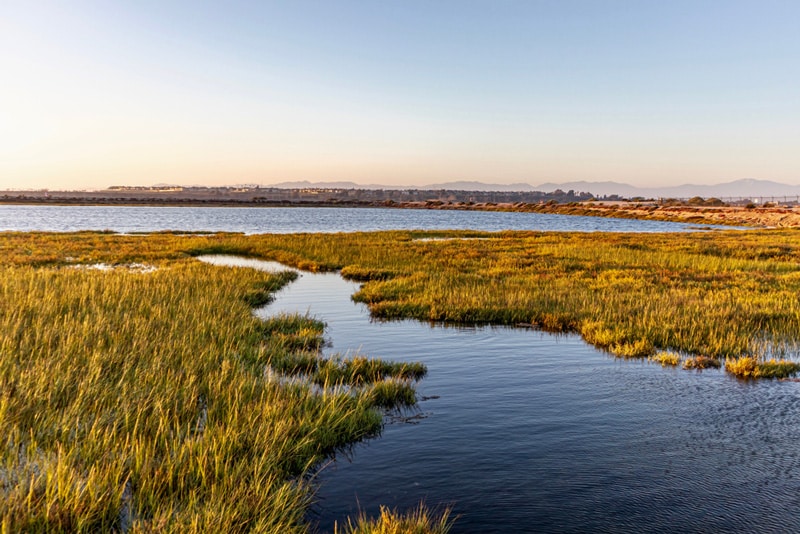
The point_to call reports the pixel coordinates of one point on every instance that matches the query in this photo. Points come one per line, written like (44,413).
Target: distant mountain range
(738,188)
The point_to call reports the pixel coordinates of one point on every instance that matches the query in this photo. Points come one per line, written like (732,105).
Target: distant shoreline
(186,202)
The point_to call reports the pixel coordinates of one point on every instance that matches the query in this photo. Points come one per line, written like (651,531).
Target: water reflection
(226,260)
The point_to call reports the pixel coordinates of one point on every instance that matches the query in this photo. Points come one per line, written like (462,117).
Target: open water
(127,219)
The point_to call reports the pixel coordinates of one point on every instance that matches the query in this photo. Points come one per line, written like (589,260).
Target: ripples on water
(533,432)
(127,219)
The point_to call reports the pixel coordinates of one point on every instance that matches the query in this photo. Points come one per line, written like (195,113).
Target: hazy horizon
(413,93)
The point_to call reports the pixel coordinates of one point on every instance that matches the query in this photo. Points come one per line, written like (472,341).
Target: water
(524,431)
(126,219)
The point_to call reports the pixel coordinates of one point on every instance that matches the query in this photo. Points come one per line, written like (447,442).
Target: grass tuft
(701,362)
(636,349)
(420,520)
(391,393)
(361,370)
(667,358)
(361,274)
(749,367)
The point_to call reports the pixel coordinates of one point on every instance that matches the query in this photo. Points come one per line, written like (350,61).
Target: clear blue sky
(408,92)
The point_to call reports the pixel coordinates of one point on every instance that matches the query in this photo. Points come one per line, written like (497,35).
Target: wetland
(536,366)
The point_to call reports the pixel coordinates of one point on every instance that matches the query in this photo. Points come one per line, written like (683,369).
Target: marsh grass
(748,367)
(701,362)
(261,293)
(293,334)
(142,398)
(724,295)
(391,393)
(640,348)
(138,401)
(419,521)
(361,274)
(667,358)
(361,370)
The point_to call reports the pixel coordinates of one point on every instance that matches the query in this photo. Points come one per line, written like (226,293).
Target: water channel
(523,431)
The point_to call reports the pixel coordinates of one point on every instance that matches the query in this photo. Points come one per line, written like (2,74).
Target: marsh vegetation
(711,298)
(140,399)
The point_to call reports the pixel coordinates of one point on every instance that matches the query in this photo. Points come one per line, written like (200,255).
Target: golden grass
(139,401)
(667,358)
(418,521)
(701,362)
(749,367)
(720,295)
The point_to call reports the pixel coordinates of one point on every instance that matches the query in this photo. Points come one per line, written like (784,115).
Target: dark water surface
(531,432)
(127,219)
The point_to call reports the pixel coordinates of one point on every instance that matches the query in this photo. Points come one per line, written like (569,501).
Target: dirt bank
(776,217)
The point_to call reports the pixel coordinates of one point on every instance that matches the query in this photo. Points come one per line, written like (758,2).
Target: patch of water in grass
(227,260)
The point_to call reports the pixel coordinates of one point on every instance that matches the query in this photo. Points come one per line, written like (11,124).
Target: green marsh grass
(142,399)
(723,295)
(667,358)
(138,401)
(749,367)
(419,521)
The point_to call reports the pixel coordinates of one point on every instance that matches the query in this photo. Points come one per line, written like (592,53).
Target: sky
(397,92)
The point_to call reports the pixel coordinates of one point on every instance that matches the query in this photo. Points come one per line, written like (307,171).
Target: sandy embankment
(764,217)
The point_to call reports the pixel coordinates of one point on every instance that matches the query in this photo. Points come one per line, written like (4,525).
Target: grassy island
(138,392)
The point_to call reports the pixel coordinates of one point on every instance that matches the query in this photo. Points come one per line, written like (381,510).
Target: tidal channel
(524,431)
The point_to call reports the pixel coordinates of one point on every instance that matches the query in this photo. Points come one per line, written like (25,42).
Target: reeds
(667,358)
(721,295)
(418,521)
(724,295)
(139,401)
(701,362)
(749,367)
